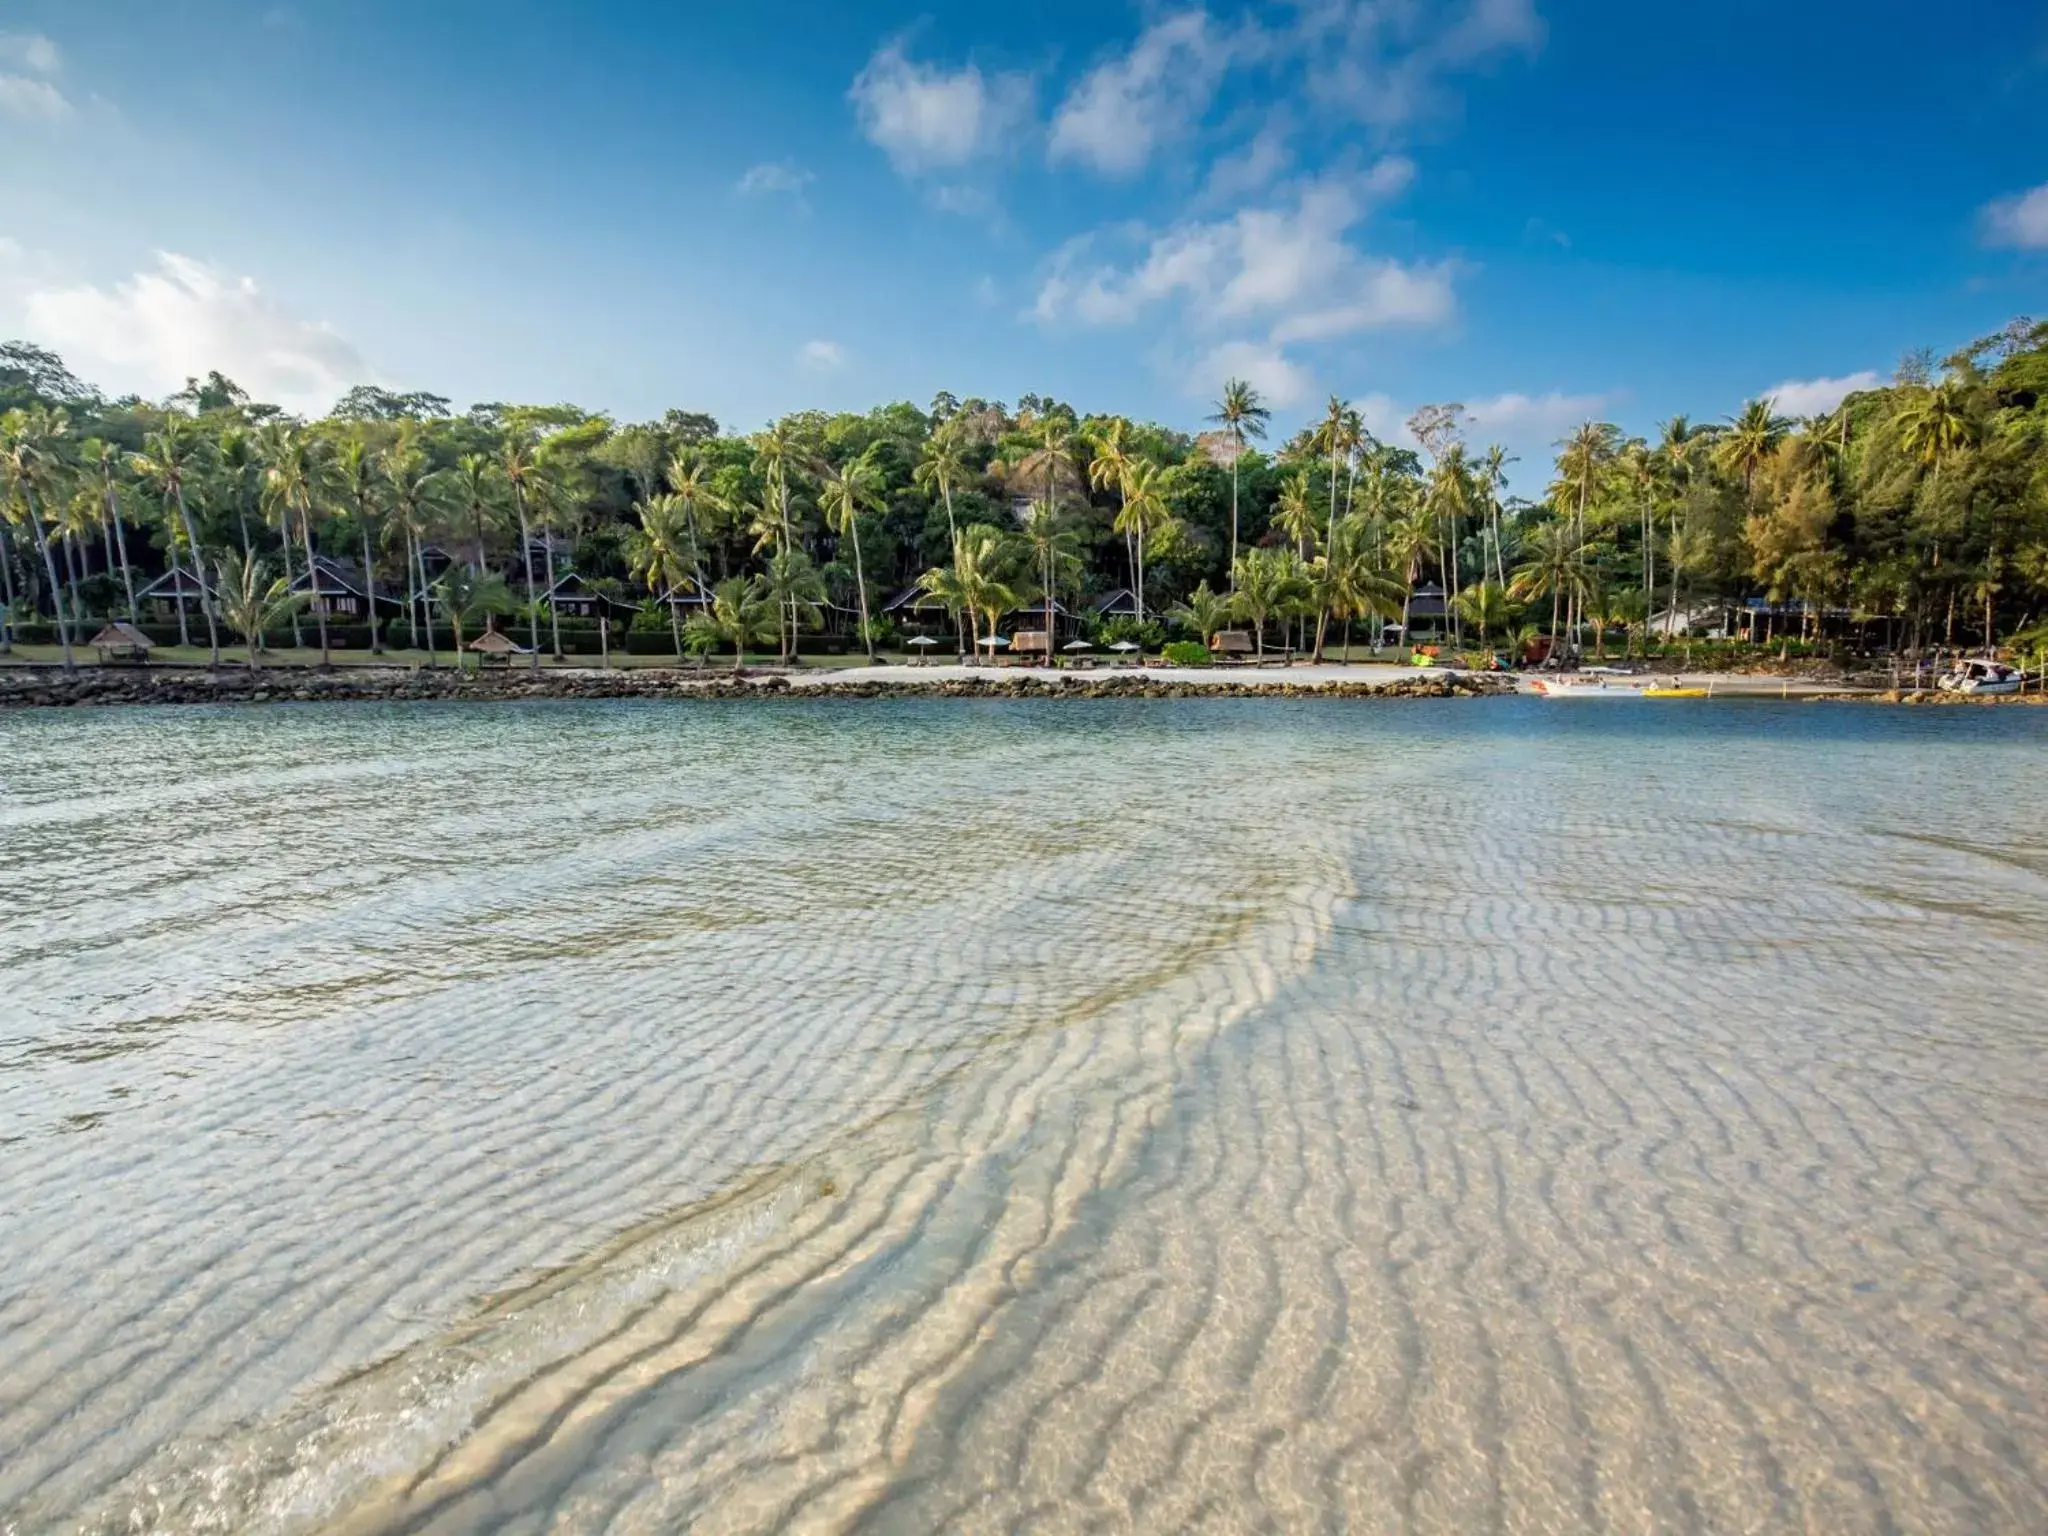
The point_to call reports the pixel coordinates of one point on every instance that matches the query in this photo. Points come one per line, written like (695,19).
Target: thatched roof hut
(492,645)
(122,638)
(1232,642)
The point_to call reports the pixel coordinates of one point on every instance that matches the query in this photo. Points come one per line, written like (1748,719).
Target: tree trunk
(178,585)
(205,599)
(6,592)
(313,579)
(675,625)
(526,551)
(1139,541)
(554,616)
(419,558)
(285,549)
(860,580)
(1237,452)
(35,524)
(121,542)
(370,594)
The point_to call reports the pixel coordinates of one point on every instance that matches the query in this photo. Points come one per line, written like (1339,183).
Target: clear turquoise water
(1433,1116)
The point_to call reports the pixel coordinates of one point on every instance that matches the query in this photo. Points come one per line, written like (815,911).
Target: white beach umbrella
(1124,645)
(1077,645)
(921,641)
(993,642)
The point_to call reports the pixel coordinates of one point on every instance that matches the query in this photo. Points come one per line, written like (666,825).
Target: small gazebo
(492,646)
(121,640)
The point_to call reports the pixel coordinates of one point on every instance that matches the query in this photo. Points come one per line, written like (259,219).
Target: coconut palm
(1337,435)
(656,554)
(1753,434)
(361,482)
(29,442)
(1108,470)
(466,596)
(1554,565)
(298,477)
(982,574)
(252,600)
(238,459)
(1407,544)
(698,504)
(103,461)
(943,466)
(480,500)
(1143,513)
(519,464)
(798,588)
(1267,583)
(741,612)
(843,494)
(415,492)
(1243,414)
(1935,423)
(1490,481)
(1054,549)
(1485,606)
(1349,585)
(1202,613)
(169,456)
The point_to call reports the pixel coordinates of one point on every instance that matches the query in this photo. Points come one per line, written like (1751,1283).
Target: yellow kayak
(1675,693)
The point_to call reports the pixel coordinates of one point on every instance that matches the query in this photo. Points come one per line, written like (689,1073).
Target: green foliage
(1185,653)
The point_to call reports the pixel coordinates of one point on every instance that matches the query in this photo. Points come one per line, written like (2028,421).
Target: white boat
(1986,677)
(1610,687)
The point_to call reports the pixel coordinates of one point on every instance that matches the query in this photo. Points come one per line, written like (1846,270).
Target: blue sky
(1542,208)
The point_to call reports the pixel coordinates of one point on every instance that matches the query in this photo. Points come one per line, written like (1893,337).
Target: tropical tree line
(1913,514)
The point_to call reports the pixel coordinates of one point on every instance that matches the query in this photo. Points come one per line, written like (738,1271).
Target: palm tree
(1485,606)
(699,505)
(1349,585)
(1243,414)
(1267,583)
(252,600)
(739,613)
(167,458)
(1053,547)
(1752,436)
(1554,564)
(798,586)
(1408,540)
(982,575)
(1936,422)
(943,466)
(362,482)
(655,553)
(415,487)
(942,584)
(103,459)
(1339,432)
(238,458)
(297,477)
(28,446)
(1491,480)
(1203,613)
(466,596)
(844,494)
(476,493)
(1110,469)
(517,463)
(1144,511)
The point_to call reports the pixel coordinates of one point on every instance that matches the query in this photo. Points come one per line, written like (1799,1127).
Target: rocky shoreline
(101,687)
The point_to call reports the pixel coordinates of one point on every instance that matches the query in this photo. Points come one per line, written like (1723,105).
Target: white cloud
(1816,397)
(821,357)
(150,332)
(1290,265)
(1519,415)
(1385,64)
(1252,168)
(1265,367)
(773,177)
(35,101)
(2020,220)
(927,118)
(31,50)
(1129,105)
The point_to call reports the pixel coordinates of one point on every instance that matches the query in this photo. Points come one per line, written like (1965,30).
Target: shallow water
(1433,1116)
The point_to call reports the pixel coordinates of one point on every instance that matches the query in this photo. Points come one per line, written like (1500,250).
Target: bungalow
(916,610)
(1122,603)
(337,589)
(162,598)
(121,639)
(1427,611)
(574,598)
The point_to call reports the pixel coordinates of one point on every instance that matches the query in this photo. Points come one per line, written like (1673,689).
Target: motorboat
(1984,677)
(1604,687)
